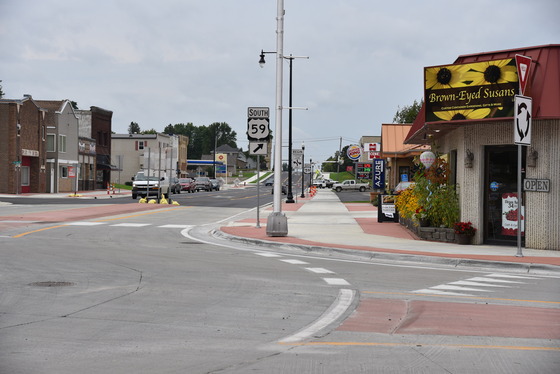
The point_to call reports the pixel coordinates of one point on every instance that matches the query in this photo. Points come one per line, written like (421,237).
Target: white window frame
(25,175)
(51,142)
(62,143)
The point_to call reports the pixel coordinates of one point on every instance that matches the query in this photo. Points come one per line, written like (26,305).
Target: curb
(528,268)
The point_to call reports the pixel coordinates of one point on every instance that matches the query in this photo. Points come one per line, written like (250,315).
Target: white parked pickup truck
(145,186)
(351,185)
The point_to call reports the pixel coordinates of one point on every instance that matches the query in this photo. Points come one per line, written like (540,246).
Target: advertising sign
(386,210)
(354,152)
(363,170)
(470,91)
(378,174)
(509,215)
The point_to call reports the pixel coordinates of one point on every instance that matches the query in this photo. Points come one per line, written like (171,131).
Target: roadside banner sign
(378,174)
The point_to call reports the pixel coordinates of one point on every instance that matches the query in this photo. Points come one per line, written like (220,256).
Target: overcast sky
(178,61)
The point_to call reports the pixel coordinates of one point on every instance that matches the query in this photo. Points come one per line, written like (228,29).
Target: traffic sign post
(258,148)
(523,107)
(258,123)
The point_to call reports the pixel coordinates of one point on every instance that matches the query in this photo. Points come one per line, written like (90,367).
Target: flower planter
(463,238)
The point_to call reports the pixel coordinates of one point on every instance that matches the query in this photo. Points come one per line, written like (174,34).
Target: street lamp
(302,170)
(262,62)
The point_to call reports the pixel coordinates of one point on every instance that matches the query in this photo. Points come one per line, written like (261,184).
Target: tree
(134,128)
(1,92)
(74,105)
(202,138)
(408,113)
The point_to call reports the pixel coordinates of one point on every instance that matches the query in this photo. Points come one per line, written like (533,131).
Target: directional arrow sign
(258,148)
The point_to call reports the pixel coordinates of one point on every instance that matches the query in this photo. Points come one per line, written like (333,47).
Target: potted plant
(422,217)
(464,232)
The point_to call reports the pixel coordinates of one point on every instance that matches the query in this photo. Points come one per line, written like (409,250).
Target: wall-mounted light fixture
(532,157)
(469,157)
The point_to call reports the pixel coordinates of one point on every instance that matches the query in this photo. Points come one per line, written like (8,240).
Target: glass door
(500,195)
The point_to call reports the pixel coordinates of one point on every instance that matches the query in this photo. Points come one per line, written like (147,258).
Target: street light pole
(302,170)
(277,223)
(290,197)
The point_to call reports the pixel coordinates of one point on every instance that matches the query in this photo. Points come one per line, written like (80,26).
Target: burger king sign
(354,152)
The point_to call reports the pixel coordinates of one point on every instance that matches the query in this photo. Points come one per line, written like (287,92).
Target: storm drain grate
(51,284)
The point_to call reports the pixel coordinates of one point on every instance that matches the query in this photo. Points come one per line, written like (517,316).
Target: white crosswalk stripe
(471,286)
(131,225)
(295,262)
(336,281)
(84,223)
(320,270)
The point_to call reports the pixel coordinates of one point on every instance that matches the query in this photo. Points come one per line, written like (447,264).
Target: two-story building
(157,154)
(62,146)
(22,146)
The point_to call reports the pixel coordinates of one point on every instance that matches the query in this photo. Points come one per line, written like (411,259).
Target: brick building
(22,146)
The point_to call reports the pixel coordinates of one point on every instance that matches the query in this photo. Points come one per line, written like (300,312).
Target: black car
(215,184)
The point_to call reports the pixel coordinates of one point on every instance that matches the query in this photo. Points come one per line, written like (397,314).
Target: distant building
(62,146)
(22,146)
(100,122)
(157,154)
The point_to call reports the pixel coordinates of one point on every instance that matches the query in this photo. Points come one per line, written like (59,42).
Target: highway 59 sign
(258,123)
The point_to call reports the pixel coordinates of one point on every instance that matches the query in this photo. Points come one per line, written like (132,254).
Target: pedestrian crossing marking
(131,225)
(476,284)
(83,223)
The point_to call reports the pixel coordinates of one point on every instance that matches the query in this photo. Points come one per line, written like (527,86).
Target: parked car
(329,182)
(145,186)
(203,183)
(269,182)
(284,189)
(350,184)
(187,184)
(174,185)
(215,184)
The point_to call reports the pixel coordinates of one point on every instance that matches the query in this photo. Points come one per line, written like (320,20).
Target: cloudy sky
(178,61)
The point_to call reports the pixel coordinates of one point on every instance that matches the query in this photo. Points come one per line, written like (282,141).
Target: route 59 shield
(257,129)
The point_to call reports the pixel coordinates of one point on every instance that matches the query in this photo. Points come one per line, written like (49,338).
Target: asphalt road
(157,292)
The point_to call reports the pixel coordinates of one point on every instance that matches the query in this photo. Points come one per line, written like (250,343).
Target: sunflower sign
(470,91)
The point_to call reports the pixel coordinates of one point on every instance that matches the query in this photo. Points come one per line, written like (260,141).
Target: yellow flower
(455,115)
(490,72)
(449,76)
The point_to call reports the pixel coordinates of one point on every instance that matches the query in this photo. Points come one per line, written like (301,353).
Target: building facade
(22,146)
(479,131)
(154,153)
(62,146)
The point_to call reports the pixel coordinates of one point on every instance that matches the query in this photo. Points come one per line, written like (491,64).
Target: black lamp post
(302,170)
(290,196)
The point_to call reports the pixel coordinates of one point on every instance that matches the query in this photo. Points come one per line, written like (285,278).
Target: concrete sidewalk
(324,222)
